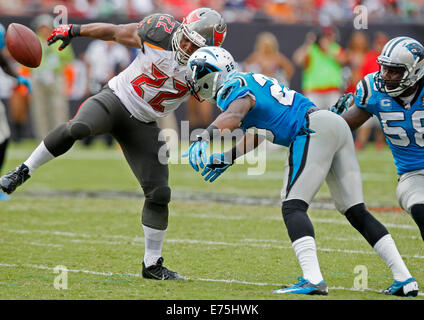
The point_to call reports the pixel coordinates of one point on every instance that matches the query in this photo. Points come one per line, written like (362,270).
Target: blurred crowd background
(309,45)
(281,11)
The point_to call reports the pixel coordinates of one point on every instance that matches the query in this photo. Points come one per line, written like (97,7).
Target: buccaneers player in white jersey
(127,108)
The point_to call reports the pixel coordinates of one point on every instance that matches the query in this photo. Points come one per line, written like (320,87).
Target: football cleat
(10,181)
(159,272)
(305,287)
(407,288)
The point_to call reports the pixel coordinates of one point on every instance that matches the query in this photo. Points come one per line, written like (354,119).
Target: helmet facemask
(393,87)
(205,80)
(400,52)
(180,55)
(208,68)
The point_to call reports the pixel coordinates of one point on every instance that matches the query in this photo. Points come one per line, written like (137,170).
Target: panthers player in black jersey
(127,108)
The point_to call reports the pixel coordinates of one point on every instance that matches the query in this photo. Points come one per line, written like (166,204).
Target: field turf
(83,211)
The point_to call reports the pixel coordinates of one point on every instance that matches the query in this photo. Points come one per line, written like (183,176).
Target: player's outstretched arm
(355,117)
(219,162)
(125,34)
(230,120)
(236,111)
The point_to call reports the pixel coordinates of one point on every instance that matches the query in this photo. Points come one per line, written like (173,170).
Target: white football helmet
(203,27)
(208,68)
(403,52)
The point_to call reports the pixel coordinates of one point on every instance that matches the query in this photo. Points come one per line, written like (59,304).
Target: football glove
(65,33)
(25,82)
(342,104)
(216,165)
(196,154)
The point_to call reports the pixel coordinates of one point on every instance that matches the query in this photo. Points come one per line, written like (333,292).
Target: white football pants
(410,189)
(327,154)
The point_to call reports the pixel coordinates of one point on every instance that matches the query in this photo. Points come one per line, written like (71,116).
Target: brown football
(23,45)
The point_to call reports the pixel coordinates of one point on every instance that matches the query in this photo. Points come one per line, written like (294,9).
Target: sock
(386,249)
(38,157)
(306,253)
(153,240)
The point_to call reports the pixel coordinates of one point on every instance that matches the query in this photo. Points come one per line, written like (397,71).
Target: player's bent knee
(78,130)
(161,195)
(155,210)
(296,219)
(362,220)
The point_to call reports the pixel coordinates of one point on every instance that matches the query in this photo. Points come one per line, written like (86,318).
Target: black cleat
(10,181)
(159,272)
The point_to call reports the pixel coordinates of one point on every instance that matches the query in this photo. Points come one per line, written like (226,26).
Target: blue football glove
(196,154)
(25,82)
(342,104)
(216,165)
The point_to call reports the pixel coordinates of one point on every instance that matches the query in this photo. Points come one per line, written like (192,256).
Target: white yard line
(138,241)
(32,243)
(136,275)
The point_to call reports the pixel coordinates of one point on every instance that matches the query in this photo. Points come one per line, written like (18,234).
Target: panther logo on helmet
(405,53)
(208,69)
(203,27)
(416,49)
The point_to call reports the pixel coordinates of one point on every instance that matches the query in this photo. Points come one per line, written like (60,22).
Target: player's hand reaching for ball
(64,33)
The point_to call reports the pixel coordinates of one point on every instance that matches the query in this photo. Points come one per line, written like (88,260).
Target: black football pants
(104,113)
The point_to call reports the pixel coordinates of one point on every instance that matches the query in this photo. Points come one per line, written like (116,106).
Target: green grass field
(83,211)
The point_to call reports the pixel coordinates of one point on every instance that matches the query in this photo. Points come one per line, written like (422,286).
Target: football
(23,45)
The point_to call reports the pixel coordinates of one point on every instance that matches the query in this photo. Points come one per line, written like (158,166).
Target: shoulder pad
(364,91)
(157,29)
(233,89)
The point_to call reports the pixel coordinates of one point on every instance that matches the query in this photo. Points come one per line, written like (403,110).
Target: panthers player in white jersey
(395,95)
(320,149)
(151,87)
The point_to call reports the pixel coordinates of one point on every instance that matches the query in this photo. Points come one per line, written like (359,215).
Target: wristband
(75,30)
(231,155)
(208,134)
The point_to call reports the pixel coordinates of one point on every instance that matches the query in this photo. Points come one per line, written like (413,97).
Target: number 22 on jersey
(156,80)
